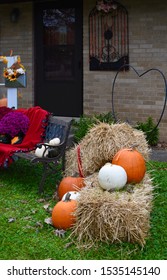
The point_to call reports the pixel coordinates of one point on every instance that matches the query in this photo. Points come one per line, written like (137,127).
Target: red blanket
(35,134)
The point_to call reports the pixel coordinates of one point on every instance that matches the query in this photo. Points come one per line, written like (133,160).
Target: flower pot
(20,82)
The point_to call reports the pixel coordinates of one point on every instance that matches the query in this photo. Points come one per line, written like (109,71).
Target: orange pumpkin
(63,213)
(133,162)
(68,184)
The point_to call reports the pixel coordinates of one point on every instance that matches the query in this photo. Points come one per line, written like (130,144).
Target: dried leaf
(48,221)
(55,196)
(39,224)
(28,227)
(50,210)
(27,218)
(48,198)
(41,200)
(33,211)
(11,220)
(60,232)
(24,201)
(67,245)
(46,206)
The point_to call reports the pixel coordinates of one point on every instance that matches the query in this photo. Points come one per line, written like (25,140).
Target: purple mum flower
(13,123)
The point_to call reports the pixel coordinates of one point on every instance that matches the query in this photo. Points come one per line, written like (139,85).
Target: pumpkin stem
(67,197)
(131,148)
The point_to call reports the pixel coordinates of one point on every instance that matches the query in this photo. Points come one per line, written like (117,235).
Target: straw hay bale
(112,216)
(100,145)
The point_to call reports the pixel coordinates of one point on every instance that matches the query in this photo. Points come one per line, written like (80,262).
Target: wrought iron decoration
(108,36)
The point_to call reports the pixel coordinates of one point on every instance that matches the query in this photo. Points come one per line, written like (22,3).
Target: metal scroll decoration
(140,75)
(108,36)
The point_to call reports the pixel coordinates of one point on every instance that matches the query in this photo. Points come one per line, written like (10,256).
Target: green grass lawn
(25,235)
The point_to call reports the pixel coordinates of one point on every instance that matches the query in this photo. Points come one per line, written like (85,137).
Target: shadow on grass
(26,177)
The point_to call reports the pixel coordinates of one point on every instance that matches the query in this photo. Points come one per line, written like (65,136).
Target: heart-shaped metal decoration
(140,75)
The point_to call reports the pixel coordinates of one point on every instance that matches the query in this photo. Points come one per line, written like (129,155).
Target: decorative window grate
(108,36)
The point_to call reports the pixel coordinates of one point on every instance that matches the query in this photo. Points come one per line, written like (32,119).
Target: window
(108,36)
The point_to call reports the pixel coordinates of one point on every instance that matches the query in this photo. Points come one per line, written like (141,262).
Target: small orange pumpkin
(133,162)
(63,213)
(68,184)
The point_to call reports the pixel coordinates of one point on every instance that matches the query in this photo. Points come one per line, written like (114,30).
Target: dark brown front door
(58,57)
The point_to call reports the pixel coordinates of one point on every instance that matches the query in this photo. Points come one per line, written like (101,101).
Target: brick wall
(18,37)
(135,99)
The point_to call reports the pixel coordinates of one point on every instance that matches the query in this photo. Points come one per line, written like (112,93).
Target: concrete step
(158,155)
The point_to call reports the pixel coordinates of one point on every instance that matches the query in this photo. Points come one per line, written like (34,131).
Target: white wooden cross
(11,92)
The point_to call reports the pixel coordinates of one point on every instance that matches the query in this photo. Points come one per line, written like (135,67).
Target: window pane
(59,39)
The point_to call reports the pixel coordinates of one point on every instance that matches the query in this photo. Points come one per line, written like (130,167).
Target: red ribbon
(79,161)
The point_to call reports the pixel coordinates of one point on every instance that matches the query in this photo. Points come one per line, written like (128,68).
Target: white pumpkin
(39,151)
(73,195)
(112,177)
(54,141)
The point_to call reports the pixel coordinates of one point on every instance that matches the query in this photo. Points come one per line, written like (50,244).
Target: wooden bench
(56,154)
